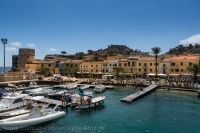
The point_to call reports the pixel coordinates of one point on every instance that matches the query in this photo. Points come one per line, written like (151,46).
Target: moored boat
(198,94)
(99,88)
(84,87)
(87,102)
(15,100)
(35,117)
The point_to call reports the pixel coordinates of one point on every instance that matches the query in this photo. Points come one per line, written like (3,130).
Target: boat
(87,102)
(83,87)
(198,94)
(33,84)
(22,110)
(57,92)
(42,91)
(99,88)
(13,101)
(71,86)
(63,86)
(36,116)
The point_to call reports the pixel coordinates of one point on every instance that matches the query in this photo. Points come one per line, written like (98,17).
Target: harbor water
(159,112)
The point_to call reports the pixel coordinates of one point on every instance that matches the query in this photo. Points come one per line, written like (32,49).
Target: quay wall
(15,76)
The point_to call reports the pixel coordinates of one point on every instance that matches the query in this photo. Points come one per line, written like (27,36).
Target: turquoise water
(159,112)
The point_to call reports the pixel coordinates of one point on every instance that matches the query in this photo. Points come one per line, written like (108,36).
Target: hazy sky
(52,26)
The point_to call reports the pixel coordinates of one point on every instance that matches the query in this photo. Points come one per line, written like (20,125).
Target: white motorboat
(33,84)
(87,102)
(36,116)
(99,88)
(22,110)
(75,98)
(63,86)
(71,86)
(15,100)
(42,91)
(83,87)
(56,92)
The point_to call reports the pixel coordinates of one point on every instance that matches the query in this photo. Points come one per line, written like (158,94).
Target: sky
(52,26)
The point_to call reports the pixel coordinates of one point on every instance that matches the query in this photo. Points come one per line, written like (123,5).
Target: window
(49,65)
(129,63)
(176,70)
(181,70)
(18,100)
(119,64)
(172,70)
(91,65)
(150,70)
(181,63)
(139,64)
(173,64)
(133,63)
(145,64)
(190,63)
(139,69)
(124,64)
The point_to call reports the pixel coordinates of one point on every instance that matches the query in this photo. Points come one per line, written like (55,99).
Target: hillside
(184,50)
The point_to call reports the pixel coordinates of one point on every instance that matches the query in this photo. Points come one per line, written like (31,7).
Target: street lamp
(4,41)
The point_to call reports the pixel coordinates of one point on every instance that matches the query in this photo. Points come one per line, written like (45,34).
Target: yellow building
(145,65)
(91,67)
(116,57)
(38,64)
(179,64)
(70,67)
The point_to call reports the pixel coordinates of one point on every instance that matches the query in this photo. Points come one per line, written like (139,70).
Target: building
(179,64)
(70,67)
(25,56)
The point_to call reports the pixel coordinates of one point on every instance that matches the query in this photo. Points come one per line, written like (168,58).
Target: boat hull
(22,121)
(95,102)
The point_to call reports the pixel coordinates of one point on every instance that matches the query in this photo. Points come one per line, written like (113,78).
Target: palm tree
(156,51)
(117,70)
(194,68)
(45,71)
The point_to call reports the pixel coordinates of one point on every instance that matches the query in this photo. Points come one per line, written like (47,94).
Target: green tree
(90,52)
(63,52)
(156,51)
(44,70)
(117,70)
(194,68)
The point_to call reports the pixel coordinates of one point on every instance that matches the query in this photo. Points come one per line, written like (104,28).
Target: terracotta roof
(42,62)
(184,58)
(146,58)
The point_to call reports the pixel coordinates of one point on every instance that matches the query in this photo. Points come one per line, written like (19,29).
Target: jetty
(47,100)
(138,94)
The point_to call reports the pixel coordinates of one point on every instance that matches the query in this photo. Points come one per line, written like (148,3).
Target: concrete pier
(47,100)
(141,93)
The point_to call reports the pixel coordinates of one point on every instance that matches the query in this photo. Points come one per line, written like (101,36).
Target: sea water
(6,69)
(159,112)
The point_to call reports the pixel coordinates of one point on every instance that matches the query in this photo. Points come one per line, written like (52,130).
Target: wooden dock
(139,94)
(46,100)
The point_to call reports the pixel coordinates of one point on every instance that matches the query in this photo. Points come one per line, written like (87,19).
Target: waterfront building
(107,66)
(91,67)
(25,56)
(70,67)
(179,64)
(164,66)
(146,65)
(38,64)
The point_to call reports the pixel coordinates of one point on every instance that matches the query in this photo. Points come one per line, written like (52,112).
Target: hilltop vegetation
(184,50)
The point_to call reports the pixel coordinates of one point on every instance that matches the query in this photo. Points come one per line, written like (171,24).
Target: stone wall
(15,76)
